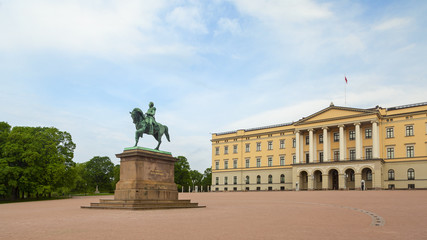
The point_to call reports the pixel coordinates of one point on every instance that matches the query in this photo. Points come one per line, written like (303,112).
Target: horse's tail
(167,133)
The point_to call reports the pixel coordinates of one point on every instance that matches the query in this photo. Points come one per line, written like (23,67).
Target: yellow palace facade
(335,148)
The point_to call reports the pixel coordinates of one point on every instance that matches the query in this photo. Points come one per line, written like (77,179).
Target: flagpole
(345,91)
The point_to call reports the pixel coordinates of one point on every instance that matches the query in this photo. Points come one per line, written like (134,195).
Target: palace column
(297,147)
(311,145)
(358,142)
(325,181)
(357,180)
(342,143)
(310,184)
(342,181)
(325,145)
(375,140)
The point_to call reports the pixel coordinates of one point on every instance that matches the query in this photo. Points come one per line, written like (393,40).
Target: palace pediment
(334,113)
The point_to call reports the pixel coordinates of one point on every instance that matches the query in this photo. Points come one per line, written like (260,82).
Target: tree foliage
(35,161)
(182,173)
(99,171)
(185,177)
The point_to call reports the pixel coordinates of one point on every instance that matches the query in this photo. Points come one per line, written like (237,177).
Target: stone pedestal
(146,182)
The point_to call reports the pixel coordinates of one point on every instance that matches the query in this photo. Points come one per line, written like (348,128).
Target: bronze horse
(138,118)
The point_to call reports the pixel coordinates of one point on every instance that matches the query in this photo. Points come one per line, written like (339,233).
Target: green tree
(196,178)
(81,184)
(35,160)
(4,133)
(182,173)
(116,175)
(207,178)
(99,171)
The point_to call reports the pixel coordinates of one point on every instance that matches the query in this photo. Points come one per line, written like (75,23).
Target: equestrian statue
(147,124)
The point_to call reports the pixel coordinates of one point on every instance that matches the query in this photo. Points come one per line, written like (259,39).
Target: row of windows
(247,147)
(410,153)
(409,131)
(411,174)
(391,176)
(247,162)
(247,179)
(352,135)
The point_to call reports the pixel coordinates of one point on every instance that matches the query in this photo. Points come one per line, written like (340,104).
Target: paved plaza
(229,215)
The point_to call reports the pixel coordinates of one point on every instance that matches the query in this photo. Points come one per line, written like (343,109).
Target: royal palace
(337,148)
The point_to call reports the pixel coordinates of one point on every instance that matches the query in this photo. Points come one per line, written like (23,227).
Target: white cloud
(296,11)
(392,24)
(188,18)
(106,30)
(227,25)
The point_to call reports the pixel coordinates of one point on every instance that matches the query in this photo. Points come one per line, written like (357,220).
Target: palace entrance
(317,184)
(303,179)
(333,179)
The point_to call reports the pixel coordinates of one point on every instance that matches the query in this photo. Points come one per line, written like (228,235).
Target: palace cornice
(252,135)
(404,114)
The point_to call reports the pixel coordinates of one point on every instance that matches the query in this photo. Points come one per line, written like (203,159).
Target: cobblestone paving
(230,215)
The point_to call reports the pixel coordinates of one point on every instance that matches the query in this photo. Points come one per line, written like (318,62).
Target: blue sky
(209,66)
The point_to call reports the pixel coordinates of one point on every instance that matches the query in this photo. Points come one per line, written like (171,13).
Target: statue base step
(142,205)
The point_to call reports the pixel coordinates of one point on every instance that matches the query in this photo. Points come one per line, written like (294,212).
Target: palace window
(368,153)
(320,156)
(235,180)
(234,148)
(258,146)
(369,175)
(307,140)
(307,157)
(336,155)
(270,145)
(390,132)
(391,174)
(270,179)
(320,138)
(234,163)
(294,159)
(258,162)
(216,150)
(411,174)
(216,180)
(247,147)
(247,163)
(225,164)
(225,180)
(270,161)
(368,133)
(247,179)
(294,143)
(336,137)
(225,149)
(409,151)
(282,178)
(410,130)
(258,179)
(282,160)
(390,152)
(282,144)
(216,165)
(352,135)
(352,154)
